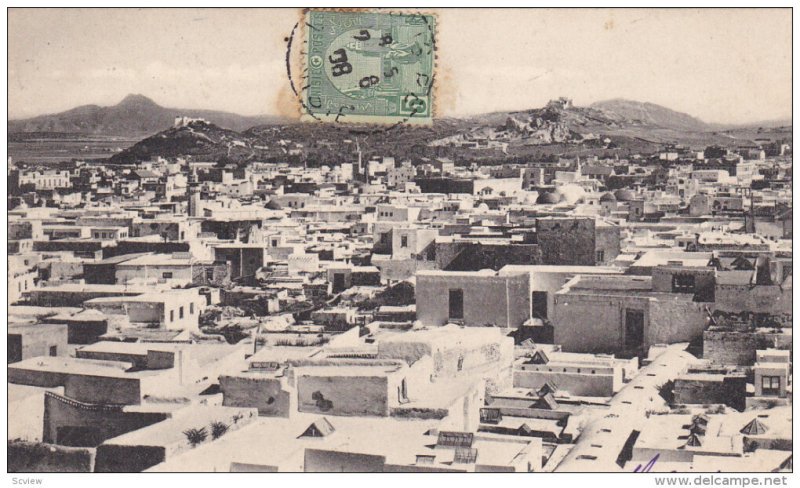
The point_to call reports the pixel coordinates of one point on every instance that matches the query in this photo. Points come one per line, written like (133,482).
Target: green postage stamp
(369,67)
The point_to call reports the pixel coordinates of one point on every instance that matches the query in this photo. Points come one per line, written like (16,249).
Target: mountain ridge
(136,114)
(558,127)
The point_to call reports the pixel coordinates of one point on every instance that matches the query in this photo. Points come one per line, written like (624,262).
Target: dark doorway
(456,304)
(539,304)
(634,328)
(338,282)
(54,350)
(14,348)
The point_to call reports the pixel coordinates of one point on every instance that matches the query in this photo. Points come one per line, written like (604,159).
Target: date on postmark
(369,67)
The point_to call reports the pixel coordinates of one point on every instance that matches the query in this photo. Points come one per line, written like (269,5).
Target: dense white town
(393,313)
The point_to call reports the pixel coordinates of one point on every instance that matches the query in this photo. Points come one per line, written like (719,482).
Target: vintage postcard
(539,241)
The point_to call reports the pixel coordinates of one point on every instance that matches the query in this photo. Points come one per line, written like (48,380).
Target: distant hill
(623,126)
(636,125)
(202,140)
(650,114)
(135,115)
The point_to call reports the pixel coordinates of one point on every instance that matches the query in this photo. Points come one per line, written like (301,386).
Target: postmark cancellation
(369,67)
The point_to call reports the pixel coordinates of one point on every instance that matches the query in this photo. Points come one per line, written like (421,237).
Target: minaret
(193,193)
(359,169)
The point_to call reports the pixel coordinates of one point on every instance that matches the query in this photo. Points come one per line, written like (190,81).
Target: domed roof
(625,195)
(549,198)
(608,197)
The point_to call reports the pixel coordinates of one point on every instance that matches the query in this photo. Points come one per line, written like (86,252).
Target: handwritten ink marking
(647,467)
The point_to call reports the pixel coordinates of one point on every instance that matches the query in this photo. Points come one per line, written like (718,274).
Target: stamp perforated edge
(299,65)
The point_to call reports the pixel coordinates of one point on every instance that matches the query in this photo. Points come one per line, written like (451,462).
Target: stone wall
(762,299)
(29,457)
(593,323)
(596,323)
(503,301)
(264,393)
(344,395)
(567,241)
(600,384)
(607,240)
(325,461)
(674,319)
(128,459)
(36,340)
(738,348)
(100,422)
(103,389)
(474,256)
(729,390)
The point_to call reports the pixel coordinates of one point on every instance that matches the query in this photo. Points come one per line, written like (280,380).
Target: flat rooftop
(347,369)
(623,283)
(670,432)
(286,448)
(660,257)
(39,312)
(171,431)
(167,295)
(95,288)
(160,260)
(66,365)
(453,334)
(541,268)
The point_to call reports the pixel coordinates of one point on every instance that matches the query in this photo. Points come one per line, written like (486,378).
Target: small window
(172,315)
(210,274)
(54,350)
(180,313)
(683,283)
(166,275)
(600,256)
(191,309)
(771,385)
(403,241)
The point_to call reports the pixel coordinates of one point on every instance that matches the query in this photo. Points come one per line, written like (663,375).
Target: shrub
(218,429)
(195,436)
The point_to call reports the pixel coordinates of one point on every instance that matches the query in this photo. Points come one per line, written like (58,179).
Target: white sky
(727,66)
